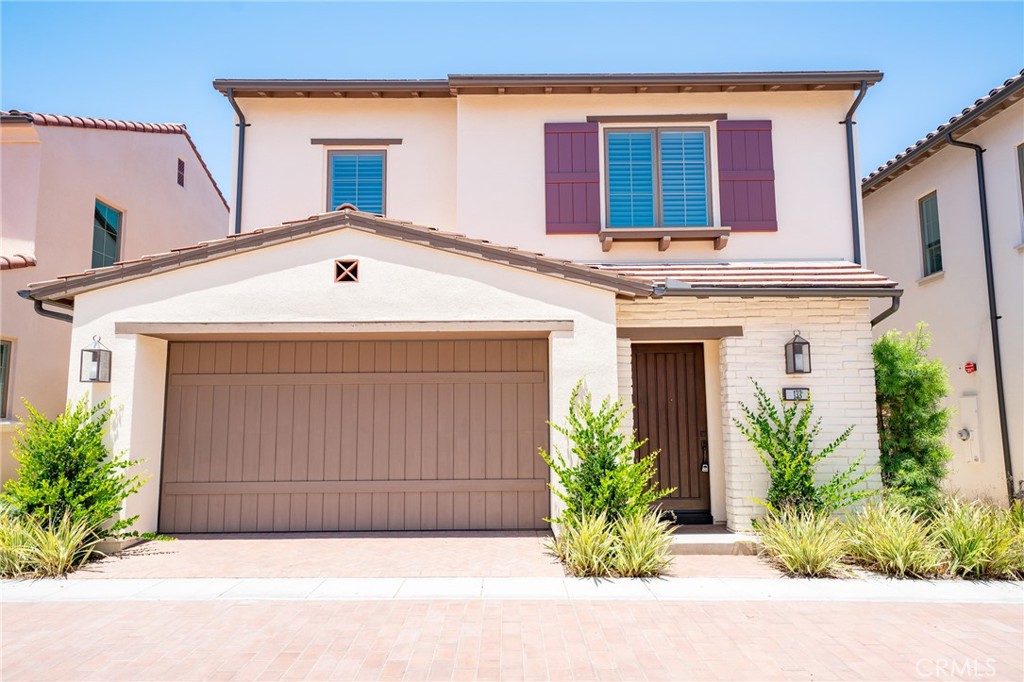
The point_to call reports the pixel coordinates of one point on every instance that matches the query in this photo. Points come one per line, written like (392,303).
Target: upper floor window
(658,178)
(181,172)
(357,178)
(1020,170)
(5,375)
(106,235)
(931,244)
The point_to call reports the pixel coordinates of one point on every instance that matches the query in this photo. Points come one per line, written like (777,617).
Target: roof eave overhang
(782,292)
(462,84)
(968,122)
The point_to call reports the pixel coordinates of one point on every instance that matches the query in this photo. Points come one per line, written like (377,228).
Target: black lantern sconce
(95,363)
(798,355)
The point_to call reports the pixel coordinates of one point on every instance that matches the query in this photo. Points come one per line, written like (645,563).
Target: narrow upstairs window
(106,235)
(181,172)
(931,243)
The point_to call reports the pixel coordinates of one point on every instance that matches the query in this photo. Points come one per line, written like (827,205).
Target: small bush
(65,470)
(912,422)
(643,545)
(588,546)
(894,541)
(803,542)
(982,540)
(602,476)
(29,546)
(784,440)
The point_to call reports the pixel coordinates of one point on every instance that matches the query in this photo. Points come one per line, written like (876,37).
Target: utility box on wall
(967,435)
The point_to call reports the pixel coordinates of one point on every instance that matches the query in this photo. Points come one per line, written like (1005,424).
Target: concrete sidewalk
(869,589)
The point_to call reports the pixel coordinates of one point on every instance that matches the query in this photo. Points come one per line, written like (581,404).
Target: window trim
(120,231)
(659,217)
(331,153)
(921,228)
(5,386)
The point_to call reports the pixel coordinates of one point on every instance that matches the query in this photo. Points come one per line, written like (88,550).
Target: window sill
(664,235)
(934,277)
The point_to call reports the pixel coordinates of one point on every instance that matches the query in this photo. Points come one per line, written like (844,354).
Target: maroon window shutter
(572,178)
(746,176)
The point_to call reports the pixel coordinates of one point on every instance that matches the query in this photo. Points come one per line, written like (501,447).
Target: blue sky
(155,61)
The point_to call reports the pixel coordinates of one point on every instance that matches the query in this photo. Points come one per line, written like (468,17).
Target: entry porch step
(712,540)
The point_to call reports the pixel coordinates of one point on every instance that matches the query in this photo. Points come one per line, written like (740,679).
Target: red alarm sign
(970,367)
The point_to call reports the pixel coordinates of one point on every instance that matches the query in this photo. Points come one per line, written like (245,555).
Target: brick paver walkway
(535,640)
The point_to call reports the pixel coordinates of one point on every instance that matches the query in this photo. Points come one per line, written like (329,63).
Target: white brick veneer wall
(842,382)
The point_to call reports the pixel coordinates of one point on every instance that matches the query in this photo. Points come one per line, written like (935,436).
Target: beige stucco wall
(954,304)
(134,172)
(293,282)
(476,164)
(841,383)
(286,176)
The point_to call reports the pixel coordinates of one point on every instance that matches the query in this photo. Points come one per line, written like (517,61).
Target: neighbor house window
(658,178)
(106,235)
(5,375)
(356,178)
(1020,170)
(931,244)
(181,172)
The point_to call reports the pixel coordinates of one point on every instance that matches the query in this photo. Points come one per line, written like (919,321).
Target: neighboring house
(82,193)
(353,370)
(924,226)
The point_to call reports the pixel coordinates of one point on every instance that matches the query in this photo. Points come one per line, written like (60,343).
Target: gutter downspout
(242,125)
(852,163)
(891,310)
(52,314)
(986,241)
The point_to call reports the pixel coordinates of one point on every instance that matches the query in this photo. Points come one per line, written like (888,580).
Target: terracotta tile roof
(17,261)
(65,287)
(791,275)
(63,121)
(983,109)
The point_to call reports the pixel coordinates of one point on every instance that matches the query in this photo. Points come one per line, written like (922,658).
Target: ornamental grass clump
(981,540)
(643,548)
(31,547)
(588,546)
(803,542)
(893,540)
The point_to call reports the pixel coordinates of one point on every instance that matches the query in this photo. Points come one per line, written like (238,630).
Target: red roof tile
(16,261)
(63,121)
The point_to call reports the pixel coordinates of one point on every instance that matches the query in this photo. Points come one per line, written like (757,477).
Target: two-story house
(81,193)
(392,360)
(946,217)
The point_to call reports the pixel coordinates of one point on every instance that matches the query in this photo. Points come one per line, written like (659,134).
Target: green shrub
(643,547)
(589,545)
(784,440)
(65,470)
(803,542)
(603,477)
(982,540)
(912,423)
(893,540)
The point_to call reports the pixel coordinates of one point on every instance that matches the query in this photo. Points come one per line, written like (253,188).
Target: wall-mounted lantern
(798,355)
(95,363)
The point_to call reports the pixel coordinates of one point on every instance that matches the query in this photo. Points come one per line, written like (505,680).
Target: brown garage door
(355,435)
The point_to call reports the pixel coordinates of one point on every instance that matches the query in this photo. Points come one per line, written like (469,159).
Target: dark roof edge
(449,86)
(969,119)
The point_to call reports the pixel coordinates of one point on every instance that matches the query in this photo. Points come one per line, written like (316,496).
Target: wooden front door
(671,415)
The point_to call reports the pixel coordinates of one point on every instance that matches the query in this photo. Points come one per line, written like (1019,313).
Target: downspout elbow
(242,125)
(52,314)
(894,305)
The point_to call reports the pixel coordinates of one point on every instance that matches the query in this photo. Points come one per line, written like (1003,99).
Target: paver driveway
(488,640)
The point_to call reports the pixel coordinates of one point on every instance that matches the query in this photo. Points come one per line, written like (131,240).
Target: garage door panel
(414,435)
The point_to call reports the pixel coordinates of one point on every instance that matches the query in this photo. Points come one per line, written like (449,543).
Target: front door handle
(705,466)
